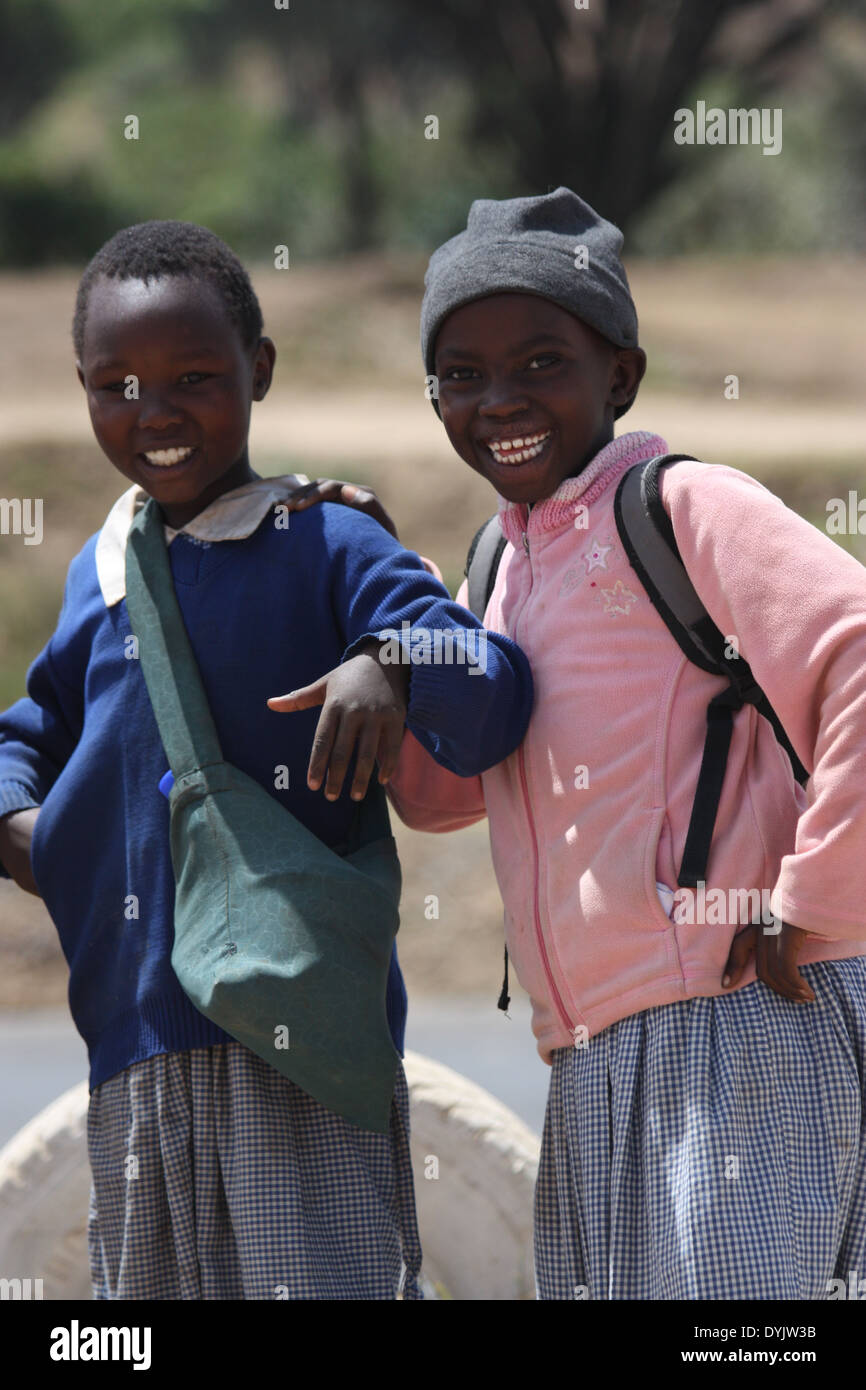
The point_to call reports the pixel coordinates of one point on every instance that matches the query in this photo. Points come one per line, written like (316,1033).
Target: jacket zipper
(539,936)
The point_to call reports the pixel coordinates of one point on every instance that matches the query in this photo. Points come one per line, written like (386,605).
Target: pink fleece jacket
(588,818)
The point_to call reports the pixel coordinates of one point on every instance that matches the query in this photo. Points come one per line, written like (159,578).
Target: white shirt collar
(230,517)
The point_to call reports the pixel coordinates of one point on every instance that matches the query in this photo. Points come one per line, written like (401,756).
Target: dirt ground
(348,401)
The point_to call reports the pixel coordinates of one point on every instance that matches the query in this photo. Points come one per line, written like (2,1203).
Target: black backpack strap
(708,793)
(648,538)
(504,997)
(482,564)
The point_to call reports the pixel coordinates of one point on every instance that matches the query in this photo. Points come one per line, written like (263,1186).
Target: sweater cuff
(352,649)
(14,796)
(432,690)
(394,651)
(815,920)
(428,654)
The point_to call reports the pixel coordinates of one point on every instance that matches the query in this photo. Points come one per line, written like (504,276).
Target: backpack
(648,539)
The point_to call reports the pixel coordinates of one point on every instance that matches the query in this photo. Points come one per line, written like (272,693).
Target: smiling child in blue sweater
(213,1175)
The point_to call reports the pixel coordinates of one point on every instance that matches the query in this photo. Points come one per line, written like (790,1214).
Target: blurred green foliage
(305,126)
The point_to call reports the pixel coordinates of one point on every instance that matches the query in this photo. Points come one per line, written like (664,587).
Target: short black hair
(150,250)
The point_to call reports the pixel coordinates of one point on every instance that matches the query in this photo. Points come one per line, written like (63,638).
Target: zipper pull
(526,542)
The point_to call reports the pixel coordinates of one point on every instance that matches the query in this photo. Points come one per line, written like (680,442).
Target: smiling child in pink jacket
(705,1133)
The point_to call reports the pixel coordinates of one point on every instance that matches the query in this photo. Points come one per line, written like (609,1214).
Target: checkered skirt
(710,1149)
(214,1177)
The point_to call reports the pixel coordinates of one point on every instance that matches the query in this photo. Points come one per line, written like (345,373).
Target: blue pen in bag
(166,782)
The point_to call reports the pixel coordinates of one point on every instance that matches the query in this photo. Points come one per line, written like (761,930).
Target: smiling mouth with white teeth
(167,458)
(520,450)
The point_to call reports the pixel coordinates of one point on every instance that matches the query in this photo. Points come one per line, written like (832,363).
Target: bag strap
(174,683)
(648,538)
(482,564)
(168,663)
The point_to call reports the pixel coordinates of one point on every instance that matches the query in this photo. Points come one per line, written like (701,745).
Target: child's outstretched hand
(776,955)
(363,499)
(16,833)
(365,705)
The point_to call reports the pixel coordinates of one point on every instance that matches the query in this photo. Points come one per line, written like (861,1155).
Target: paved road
(41,1055)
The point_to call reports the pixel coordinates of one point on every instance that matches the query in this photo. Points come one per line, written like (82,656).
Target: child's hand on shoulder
(365,705)
(363,499)
(776,953)
(354,495)
(16,834)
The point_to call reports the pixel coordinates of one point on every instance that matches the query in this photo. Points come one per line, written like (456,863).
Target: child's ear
(80,373)
(628,372)
(263,368)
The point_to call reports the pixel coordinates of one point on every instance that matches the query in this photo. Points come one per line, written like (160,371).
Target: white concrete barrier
(44,1192)
(474,1163)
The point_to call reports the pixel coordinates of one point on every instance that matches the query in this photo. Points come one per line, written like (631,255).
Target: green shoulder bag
(279,940)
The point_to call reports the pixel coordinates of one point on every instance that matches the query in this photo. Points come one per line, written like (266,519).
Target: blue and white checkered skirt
(214,1177)
(712,1148)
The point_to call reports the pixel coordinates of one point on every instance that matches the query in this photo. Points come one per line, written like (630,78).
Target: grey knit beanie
(533,245)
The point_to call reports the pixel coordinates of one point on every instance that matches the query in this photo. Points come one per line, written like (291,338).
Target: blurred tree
(50,220)
(332,58)
(307,122)
(36,49)
(586,96)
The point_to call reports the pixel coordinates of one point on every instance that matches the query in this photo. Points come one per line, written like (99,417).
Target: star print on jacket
(594,558)
(619,599)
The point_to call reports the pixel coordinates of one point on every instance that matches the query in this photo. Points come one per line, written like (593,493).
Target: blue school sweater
(265,615)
